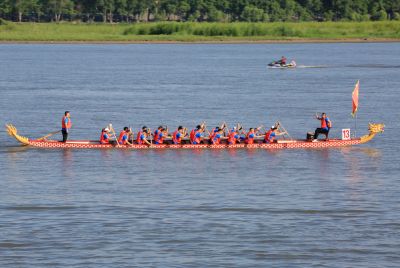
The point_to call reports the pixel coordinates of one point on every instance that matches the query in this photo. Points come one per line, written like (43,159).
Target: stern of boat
(13,132)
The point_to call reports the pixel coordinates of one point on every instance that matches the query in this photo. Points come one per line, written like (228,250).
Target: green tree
(24,6)
(60,7)
(380,15)
(107,7)
(252,14)
(182,10)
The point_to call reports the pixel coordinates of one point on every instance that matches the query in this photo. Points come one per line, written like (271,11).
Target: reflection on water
(67,163)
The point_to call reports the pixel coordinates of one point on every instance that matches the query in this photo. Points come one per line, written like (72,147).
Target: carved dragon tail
(13,132)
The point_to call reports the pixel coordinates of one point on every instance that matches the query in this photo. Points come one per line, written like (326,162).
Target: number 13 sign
(346,134)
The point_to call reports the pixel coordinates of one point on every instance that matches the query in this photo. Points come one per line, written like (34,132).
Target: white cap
(107,129)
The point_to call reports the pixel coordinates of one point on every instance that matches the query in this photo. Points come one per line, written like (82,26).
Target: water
(207,208)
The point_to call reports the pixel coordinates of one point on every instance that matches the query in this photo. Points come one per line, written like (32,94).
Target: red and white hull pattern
(279,145)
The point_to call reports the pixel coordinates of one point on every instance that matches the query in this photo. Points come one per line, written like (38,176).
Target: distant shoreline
(200,33)
(296,41)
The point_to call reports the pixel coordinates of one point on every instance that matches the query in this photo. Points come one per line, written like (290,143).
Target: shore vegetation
(198,32)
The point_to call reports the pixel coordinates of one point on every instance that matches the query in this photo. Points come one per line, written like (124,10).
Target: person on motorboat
(326,125)
(282,61)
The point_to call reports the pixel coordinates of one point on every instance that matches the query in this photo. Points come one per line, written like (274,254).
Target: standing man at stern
(65,125)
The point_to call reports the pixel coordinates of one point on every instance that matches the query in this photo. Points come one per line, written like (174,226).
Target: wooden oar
(151,137)
(130,129)
(115,135)
(48,135)
(282,130)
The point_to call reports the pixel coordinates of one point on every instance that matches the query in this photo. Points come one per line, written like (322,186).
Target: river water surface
(199,208)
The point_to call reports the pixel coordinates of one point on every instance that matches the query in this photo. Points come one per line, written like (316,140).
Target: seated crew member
(212,133)
(123,138)
(178,135)
(233,137)
(142,136)
(218,136)
(157,135)
(105,136)
(251,135)
(196,135)
(271,134)
(325,126)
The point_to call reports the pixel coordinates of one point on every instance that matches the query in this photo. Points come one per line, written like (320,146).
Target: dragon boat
(279,144)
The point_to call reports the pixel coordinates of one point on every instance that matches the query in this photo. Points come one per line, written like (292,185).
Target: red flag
(355,98)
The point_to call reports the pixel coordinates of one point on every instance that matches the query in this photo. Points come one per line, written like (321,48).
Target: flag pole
(355,126)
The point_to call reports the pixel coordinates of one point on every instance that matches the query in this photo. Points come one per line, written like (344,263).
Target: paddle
(282,130)
(115,135)
(130,129)
(50,134)
(151,137)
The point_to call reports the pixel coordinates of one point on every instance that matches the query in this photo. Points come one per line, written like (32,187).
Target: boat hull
(278,145)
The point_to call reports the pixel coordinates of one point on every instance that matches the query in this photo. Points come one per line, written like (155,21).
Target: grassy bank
(199,32)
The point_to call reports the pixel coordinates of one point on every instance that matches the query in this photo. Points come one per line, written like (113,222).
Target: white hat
(107,129)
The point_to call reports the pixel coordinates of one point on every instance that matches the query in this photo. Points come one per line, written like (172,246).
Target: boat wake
(299,67)
(312,66)
(373,66)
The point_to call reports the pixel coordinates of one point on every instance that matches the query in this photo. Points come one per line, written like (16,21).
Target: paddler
(271,134)
(196,135)
(105,136)
(213,132)
(326,125)
(142,136)
(161,135)
(218,136)
(233,137)
(251,135)
(178,135)
(123,138)
(158,135)
(65,125)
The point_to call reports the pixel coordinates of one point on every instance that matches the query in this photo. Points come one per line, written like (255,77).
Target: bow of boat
(373,128)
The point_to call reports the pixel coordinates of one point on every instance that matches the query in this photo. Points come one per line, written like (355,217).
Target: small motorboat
(277,64)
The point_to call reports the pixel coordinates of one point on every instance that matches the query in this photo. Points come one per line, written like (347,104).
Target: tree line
(198,10)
